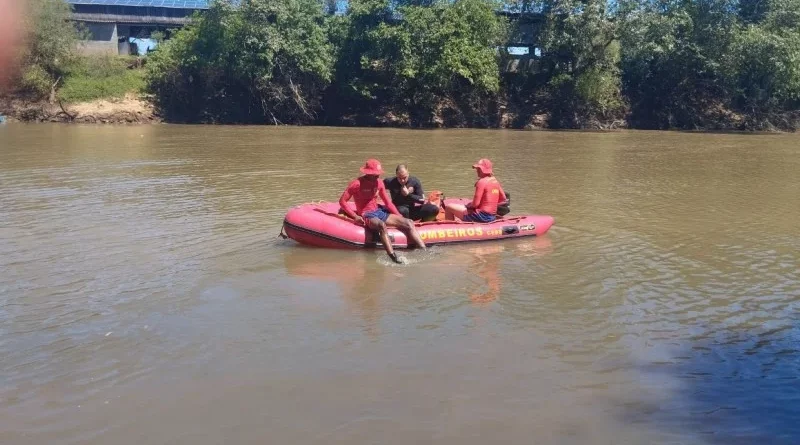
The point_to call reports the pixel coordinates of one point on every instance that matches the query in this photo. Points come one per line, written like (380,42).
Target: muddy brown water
(145,298)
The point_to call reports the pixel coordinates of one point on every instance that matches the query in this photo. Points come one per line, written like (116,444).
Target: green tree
(766,60)
(416,56)
(659,63)
(448,46)
(674,62)
(263,61)
(581,56)
(52,40)
(359,85)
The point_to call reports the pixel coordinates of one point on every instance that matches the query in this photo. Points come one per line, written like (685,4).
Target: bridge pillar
(103,39)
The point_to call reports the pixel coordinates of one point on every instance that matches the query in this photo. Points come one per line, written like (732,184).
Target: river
(146,298)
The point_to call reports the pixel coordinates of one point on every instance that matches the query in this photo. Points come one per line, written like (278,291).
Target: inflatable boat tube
(321,225)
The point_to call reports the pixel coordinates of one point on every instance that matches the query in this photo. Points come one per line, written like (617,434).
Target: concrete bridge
(126,26)
(524,44)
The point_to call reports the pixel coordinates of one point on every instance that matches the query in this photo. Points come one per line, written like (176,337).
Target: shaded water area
(145,297)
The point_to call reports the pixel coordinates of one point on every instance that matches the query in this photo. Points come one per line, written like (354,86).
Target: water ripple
(149,270)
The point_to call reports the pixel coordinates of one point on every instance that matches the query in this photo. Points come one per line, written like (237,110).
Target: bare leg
(380,227)
(451,211)
(407,226)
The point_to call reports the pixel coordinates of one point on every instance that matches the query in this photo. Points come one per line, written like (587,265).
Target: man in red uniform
(365,190)
(488,194)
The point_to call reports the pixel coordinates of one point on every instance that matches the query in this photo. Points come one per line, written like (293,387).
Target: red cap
(372,167)
(485,166)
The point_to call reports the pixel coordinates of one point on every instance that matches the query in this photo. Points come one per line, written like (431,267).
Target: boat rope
(283,234)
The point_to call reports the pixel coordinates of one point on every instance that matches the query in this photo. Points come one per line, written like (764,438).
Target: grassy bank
(89,89)
(102,77)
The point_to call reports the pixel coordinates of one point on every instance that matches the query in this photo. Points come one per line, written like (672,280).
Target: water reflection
(360,279)
(486,261)
(486,265)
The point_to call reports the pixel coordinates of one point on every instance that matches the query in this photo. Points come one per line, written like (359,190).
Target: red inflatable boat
(321,225)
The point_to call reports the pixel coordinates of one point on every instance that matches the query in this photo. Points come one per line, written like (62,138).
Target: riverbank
(97,89)
(130,109)
(135,108)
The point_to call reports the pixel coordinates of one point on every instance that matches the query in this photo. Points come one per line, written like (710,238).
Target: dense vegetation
(52,68)
(689,64)
(51,46)
(266,61)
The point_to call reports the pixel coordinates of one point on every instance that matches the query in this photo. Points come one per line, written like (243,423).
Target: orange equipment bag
(435,197)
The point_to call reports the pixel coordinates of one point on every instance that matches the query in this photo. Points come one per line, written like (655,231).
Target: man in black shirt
(408,197)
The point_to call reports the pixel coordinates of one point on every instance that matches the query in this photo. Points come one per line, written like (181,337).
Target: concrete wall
(103,39)
(111,38)
(123,31)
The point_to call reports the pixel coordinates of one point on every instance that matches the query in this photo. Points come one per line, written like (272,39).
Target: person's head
(372,169)
(402,174)
(483,168)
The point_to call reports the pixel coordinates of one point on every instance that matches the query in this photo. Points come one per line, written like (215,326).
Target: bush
(90,78)
(51,44)
(36,81)
(265,61)
(766,60)
(437,52)
(600,90)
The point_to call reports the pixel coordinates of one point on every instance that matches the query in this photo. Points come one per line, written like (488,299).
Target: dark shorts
(380,213)
(481,217)
(425,212)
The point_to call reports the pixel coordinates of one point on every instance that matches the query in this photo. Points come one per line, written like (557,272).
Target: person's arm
(480,187)
(388,202)
(417,194)
(343,202)
(503,197)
